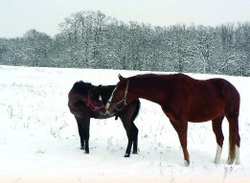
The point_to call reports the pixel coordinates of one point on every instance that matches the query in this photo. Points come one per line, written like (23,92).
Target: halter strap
(124,99)
(92,106)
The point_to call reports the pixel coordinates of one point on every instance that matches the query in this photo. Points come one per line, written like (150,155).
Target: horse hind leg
(129,131)
(234,140)
(135,132)
(132,133)
(83,129)
(127,117)
(216,124)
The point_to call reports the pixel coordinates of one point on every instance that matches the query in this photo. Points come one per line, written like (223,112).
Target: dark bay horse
(184,99)
(85,105)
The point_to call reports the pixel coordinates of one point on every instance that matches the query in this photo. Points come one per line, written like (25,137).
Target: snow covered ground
(39,140)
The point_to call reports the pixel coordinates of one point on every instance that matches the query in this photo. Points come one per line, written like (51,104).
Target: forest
(90,39)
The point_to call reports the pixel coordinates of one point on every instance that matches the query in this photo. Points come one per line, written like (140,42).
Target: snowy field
(39,140)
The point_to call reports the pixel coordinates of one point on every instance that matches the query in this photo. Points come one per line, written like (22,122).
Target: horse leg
(234,140)
(127,125)
(127,117)
(183,140)
(181,129)
(216,124)
(132,133)
(83,129)
(135,132)
(80,131)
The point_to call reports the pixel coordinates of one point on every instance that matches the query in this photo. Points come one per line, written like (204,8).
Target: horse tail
(232,97)
(231,155)
(234,142)
(136,112)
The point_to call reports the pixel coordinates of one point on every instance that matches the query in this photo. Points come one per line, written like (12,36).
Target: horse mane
(141,76)
(152,76)
(149,77)
(82,87)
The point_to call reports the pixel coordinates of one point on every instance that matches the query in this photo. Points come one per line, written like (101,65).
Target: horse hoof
(134,152)
(126,155)
(217,162)
(237,162)
(82,148)
(86,152)
(230,161)
(186,163)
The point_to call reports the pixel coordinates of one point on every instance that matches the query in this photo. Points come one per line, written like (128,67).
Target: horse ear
(97,89)
(120,77)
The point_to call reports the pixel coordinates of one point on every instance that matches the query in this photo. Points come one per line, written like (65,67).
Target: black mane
(82,87)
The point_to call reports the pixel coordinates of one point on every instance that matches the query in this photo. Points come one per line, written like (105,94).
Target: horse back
(206,99)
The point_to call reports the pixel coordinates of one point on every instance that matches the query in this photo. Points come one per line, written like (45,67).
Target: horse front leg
(181,129)
(183,140)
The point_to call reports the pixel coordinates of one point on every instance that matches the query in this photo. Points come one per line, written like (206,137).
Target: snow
(39,140)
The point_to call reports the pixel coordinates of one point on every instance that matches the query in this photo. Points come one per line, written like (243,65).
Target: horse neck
(146,89)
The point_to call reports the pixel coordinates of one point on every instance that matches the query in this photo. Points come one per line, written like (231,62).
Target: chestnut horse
(184,99)
(85,105)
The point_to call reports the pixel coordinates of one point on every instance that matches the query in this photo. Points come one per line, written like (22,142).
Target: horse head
(119,96)
(95,102)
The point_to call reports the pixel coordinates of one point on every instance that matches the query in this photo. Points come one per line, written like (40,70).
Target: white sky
(19,16)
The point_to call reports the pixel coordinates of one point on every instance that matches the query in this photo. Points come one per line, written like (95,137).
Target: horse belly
(205,112)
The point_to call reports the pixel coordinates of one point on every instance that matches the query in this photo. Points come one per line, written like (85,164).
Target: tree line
(93,40)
